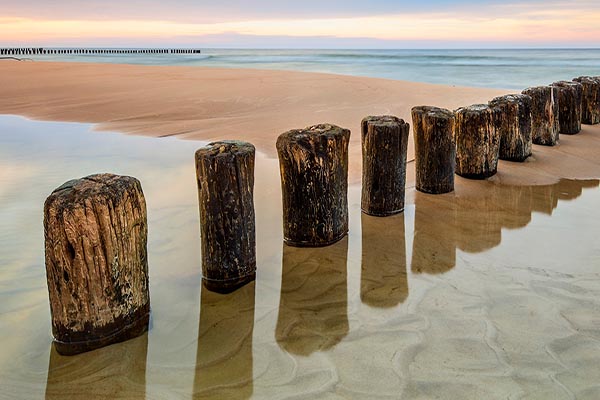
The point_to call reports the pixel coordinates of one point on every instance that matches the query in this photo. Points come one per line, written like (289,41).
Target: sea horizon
(511,68)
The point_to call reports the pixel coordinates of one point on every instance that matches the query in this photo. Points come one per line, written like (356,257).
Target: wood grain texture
(477,142)
(513,123)
(314,180)
(590,101)
(545,126)
(96,262)
(570,96)
(435,149)
(384,145)
(225,175)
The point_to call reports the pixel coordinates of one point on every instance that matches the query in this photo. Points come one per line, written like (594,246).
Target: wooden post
(225,172)
(590,105)
(544,115)
(384,145)
(513,123)
(96,262)
(569,102)
(314,180)
(435,149)
(477,142)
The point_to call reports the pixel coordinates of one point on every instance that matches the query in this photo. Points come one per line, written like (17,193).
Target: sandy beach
(488,292)
(254,105)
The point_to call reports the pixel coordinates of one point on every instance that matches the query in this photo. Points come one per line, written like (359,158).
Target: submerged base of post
(295,243)
(133,327)
(225,287)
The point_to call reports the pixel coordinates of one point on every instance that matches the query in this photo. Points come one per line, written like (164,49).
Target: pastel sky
(302,24)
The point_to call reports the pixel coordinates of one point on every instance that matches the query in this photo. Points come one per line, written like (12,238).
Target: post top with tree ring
(473,109)
(587,79)
(77,191)
(215,149)
(382,120)
(508,98)
(432,111)
(566,84)
(299,136)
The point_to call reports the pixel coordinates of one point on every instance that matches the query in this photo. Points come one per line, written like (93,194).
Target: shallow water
(494,295)
(492,68)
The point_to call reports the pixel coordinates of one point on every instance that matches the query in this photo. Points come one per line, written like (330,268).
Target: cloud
(554,24)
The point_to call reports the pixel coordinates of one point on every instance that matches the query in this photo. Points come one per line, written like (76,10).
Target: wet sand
(493,295)
(254,105)
(489,292)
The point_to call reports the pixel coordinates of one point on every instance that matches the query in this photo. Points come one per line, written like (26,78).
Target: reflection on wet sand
(473,223)
(433,244)
(86,375)
(383,281)
(313,307)
(224,356)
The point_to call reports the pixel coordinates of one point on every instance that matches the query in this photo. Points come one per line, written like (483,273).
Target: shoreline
(203,103)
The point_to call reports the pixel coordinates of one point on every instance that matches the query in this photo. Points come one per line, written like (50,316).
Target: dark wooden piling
(544,115)
(477,142)
(384,146)
(513,123)
(590,103)
(435,149)
(44,51)
(314,179)
(225,174)
(570,96)
(96,262)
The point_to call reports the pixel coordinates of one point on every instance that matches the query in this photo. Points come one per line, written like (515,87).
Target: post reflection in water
(313,306)
(434,251)
(86,375)
(224,366)
(474,223)
(383,279)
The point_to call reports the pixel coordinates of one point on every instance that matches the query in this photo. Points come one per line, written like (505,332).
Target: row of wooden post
(504,129)
(22,51)
(96,227)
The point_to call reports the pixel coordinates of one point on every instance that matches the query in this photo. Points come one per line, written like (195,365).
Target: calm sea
(514,69)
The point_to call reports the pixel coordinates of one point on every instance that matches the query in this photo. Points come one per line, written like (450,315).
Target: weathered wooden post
(435,149)
(544,115)
(314,180)
(96,262)
(513,123)
(590,104)
(225,173)
(477,142)
(384,145)
(569,102)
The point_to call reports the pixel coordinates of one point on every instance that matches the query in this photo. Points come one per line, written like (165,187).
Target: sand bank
(255,105)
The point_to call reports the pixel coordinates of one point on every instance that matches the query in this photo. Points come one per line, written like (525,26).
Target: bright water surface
(495,296)
(510,69)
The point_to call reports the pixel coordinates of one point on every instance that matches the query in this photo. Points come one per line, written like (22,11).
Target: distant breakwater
(24,51)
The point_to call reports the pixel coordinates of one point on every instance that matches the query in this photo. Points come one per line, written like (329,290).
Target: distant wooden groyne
(32,51)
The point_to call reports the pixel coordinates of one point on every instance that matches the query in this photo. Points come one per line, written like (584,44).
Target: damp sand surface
(491,292)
